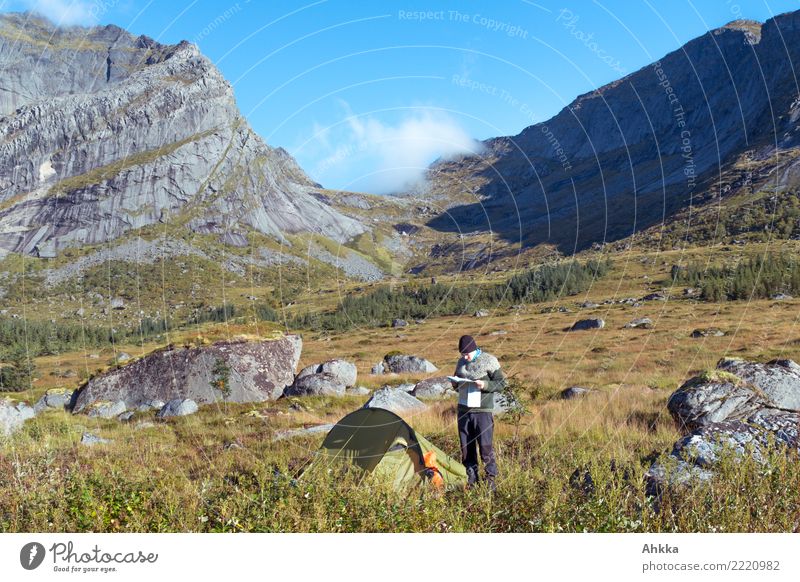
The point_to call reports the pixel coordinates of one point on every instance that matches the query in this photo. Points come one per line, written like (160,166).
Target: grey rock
(694,457)
(654,297)
(582,324)
(405,387)
(641,322)
(396,400)
(178,407)
(151,405)
(574,392)
(403,364)
(125,416)
(781,296)
(88,440)
(589,305)
(499,332)
(399,323)
(59,398)
(482,313)
(322,384)
(505,403)
(345,372)
(107,409)
(117,303)
(297,432)
(258,371)
(712,398)
(358,391)
(13,416)
(778,380)
(436,387)
(708,332)
(122,357)
(378,368)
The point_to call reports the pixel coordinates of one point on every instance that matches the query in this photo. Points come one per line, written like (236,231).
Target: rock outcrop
(102,132)
(238,370)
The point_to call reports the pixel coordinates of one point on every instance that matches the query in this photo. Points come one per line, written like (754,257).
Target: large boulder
(741,406)
(436,387)
(13,416)
(402,364)
(735,390)
(237,370)
(396,400)
(344,371)
(323,384)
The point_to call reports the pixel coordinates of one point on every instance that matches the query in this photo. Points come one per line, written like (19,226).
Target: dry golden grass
(182,476)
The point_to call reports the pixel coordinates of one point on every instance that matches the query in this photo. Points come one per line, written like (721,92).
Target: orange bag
(429,459)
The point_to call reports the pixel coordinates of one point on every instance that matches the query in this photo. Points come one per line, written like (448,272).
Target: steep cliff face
(632,153)
(102,132)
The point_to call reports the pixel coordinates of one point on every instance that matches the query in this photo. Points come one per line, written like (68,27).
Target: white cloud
(383,157)
(66,12)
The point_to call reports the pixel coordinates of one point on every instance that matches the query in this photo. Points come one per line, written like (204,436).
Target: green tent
(386,447)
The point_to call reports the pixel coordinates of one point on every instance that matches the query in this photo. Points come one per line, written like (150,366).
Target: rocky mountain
(103,132)
(631,154)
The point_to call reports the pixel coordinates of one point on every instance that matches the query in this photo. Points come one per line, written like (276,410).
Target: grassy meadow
(223,469)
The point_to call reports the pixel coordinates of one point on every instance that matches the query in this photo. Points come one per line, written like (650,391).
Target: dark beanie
(466,344)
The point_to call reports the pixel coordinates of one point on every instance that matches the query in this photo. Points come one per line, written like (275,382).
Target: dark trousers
(475,429)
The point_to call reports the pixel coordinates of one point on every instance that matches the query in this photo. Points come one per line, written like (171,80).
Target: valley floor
(222,469)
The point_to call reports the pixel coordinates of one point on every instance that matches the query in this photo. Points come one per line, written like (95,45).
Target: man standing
(475,421)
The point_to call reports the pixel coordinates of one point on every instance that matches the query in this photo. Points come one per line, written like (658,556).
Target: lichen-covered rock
(436,387)
(237,370)
(744,407)
(402,364)
(103,409)
(396,400)
(178,407)
(13,416)
(323,384)
(345,372)
(88,440)
(58,398)
(779,380)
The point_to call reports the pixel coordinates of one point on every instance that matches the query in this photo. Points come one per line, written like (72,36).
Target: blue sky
(366,94)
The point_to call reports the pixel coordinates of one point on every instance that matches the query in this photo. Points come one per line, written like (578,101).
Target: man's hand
(480,384)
